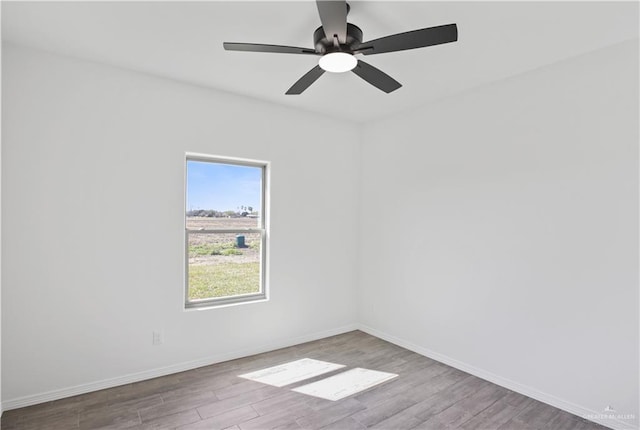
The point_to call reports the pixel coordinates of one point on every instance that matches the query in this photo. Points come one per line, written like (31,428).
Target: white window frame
(262,229)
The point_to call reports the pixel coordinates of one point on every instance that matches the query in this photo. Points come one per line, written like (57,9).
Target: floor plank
(223,420)
(383,410)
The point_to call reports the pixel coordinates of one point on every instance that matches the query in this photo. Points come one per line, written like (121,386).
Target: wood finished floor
(425,395)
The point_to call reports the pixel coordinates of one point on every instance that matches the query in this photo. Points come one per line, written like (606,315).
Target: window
(225,231)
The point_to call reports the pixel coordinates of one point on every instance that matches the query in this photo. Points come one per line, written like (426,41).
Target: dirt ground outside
(214,241)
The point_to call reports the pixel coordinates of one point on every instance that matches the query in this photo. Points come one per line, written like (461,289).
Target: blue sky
(222,186)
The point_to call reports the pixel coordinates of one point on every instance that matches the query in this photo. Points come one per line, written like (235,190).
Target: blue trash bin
(240,241)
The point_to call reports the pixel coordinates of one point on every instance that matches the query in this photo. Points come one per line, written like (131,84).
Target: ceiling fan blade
(304,82)
(258,47)
(333,14)
(376,77)
(411,40)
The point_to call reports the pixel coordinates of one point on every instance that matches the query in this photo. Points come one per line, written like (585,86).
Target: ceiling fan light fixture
(338,62)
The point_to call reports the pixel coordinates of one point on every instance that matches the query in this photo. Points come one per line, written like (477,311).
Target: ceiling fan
(337,42)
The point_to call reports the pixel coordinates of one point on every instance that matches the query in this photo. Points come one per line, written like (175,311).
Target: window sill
(235,301)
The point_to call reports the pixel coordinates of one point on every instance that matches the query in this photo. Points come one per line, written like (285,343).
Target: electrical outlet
(158,337)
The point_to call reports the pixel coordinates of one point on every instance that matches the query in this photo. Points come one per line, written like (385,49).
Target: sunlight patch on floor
(345,384)
(294,371)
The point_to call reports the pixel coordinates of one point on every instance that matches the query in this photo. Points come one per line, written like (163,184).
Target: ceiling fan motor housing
(324,45)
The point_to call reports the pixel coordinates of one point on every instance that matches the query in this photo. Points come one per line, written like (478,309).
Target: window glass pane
(223,264)
(223,195)
(224,229)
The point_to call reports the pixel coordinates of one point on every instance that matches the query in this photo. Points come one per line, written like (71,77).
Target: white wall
(500,231)
(93,162)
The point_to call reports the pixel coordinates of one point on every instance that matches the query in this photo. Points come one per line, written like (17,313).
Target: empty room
(252,215)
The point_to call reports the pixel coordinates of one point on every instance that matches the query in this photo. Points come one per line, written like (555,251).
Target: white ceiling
(183,41)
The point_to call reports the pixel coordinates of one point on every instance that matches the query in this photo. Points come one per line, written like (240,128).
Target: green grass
(223,279)
(209,248)
(228,248)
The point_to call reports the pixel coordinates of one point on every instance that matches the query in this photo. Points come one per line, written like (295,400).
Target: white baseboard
(572,408)
(167,370)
